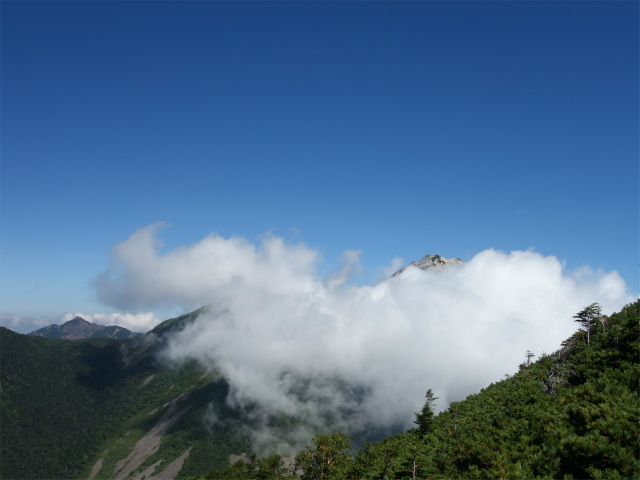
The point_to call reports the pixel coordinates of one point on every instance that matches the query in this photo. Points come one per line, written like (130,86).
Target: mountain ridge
(80,329)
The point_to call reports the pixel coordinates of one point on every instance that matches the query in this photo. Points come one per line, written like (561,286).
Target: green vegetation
(65,404)
(176,324)
(329,459)
(424,419)
(572,414)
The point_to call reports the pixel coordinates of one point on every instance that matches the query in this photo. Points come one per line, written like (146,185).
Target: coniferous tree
(589,317)
(424,419)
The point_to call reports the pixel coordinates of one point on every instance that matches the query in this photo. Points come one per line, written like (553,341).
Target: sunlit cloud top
(272,320)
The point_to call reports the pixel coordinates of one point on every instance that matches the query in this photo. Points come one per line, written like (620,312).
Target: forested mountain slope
(67,405)
(109,408)
(571,414)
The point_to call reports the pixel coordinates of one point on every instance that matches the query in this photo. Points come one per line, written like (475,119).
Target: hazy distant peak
(431,262)
(79,329)
(78,321)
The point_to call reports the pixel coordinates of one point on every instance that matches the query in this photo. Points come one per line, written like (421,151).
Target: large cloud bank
(345,356)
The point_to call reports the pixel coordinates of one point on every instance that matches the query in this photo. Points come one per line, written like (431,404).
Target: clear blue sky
(397,128)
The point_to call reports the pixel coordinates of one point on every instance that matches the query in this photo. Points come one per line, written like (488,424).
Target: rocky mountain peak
(431,262)
(77,321)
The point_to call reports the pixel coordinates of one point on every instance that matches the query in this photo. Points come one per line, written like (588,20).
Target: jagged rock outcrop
(431,262)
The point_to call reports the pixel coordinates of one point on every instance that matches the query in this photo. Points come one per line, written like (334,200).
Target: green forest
(570,414)
(65,403)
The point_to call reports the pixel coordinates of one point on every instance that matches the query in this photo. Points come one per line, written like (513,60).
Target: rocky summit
(431,262)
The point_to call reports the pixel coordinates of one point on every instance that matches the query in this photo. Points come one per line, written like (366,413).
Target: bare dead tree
(529,356)
(557,376)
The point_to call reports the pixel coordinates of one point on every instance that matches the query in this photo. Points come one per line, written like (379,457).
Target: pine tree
(424,419)
(589,317)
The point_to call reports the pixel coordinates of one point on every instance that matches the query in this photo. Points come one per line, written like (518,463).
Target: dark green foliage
(424,419)
(62,402)
(175,324)
(330,459)
(268,468)
(56,407)
(396,456)
(590,317)
(103,365)
(572,414)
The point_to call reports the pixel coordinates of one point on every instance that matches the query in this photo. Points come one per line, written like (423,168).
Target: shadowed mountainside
(67,408)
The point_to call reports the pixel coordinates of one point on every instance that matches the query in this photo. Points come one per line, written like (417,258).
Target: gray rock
(431,262)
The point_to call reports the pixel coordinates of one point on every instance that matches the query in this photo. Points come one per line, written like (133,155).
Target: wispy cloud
(22,324)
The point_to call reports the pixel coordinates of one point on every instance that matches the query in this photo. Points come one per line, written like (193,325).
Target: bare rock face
(432,262)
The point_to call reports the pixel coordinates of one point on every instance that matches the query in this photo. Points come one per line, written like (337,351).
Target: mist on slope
(354,358)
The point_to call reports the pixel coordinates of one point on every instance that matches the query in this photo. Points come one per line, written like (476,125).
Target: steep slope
(167,327)
(107,406)
(571,414)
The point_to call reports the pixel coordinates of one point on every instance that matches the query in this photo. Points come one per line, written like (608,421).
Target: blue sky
(395,128)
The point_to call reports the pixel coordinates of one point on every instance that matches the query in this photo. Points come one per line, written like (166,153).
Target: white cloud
(294,343)
(137,277)
(23,324)
(139,322)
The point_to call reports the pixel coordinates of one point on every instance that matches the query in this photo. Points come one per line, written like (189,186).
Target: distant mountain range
(80,329)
